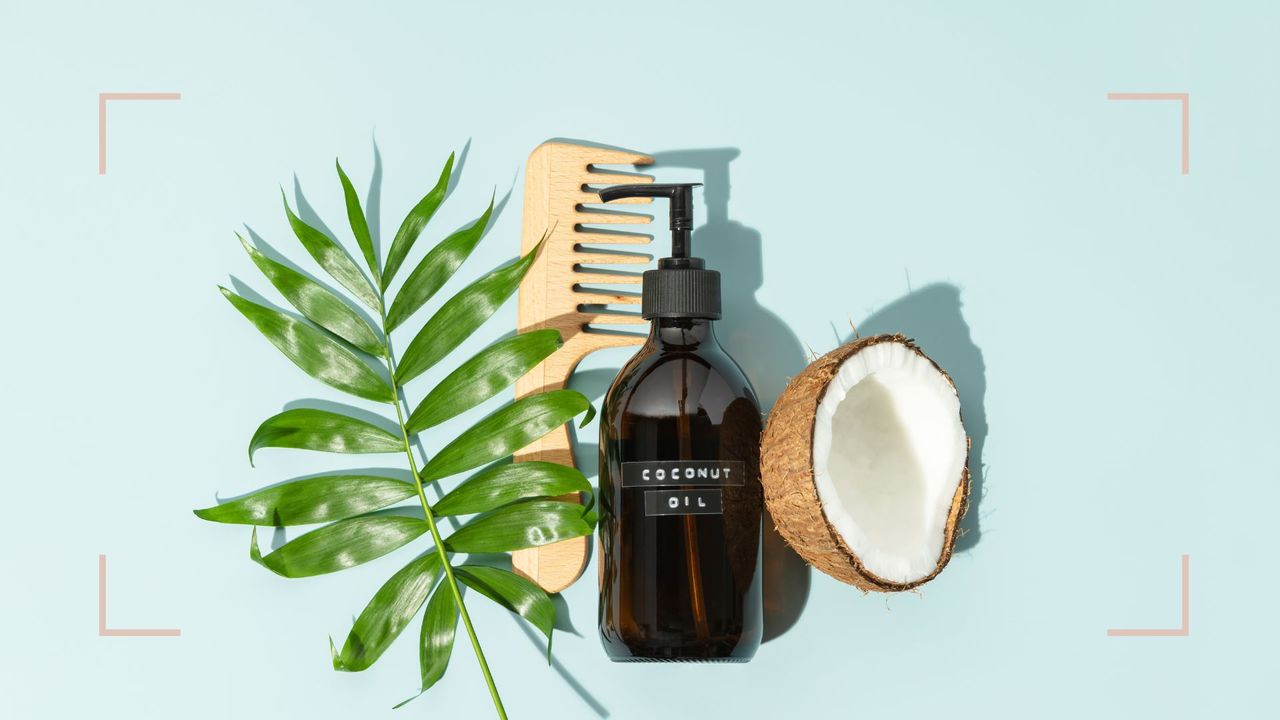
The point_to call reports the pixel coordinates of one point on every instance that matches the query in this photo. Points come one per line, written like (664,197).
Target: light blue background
(1118,314)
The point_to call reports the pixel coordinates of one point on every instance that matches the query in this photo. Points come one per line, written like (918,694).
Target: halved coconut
(863,464)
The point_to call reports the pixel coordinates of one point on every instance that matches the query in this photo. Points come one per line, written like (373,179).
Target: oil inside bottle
(680,503)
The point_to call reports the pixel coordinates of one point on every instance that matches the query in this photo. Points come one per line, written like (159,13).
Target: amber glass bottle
(680,497)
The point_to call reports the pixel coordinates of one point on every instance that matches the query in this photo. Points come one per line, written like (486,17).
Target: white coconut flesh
(888,454)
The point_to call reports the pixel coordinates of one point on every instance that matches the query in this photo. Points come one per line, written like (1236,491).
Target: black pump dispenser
(681,287)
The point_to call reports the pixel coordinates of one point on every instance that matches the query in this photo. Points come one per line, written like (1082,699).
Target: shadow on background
(373,202)
(932,316)
(764,346)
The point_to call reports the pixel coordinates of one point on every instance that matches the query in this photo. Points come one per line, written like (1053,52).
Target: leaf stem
(431,522)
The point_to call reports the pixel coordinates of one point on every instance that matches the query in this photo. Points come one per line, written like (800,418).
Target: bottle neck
(683,334)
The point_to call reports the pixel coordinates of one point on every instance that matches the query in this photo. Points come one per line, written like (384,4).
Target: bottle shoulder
(655,382)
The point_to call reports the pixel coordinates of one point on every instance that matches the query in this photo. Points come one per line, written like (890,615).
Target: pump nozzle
(681,196)
(681,287)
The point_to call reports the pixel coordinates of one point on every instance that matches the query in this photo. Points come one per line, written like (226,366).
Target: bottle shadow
(766,349)
(932,316)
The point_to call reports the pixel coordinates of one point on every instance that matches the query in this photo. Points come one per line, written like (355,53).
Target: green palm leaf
(318,354)
(486,374)
(435,645)
(317,303)
(523,525)
(338,546)
(390,610)
(414,222)
(333,259)
(515,593)
(460,316)
(436,269)
(354,512)
(359,225)
(310,429)
(506,431)
(311,501)
(505,484)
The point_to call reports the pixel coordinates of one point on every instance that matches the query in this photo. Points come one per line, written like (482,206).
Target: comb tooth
(612,238)
(586,197)
(605,278)
(601,218)
(591,258)
(597,174)
(600,297)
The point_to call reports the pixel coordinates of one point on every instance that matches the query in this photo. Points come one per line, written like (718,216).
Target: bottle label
(682,502)
(697,473)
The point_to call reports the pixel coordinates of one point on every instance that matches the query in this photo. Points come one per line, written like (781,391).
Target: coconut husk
(786,472)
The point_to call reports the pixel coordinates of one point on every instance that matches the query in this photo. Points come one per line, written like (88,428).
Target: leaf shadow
(586,455)
(458,165)
(564,622)
(373,201)
(593,383)
(565,673)
(498,207)
(308,213)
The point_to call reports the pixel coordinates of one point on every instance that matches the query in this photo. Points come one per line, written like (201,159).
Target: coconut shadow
(932,316)
(766,349)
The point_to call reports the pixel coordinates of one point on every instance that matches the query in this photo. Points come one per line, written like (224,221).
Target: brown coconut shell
(786,472)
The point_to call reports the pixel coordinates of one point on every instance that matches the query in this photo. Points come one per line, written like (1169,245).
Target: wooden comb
(555,294)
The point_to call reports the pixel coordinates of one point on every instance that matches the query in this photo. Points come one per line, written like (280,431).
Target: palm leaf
(311,501)
(435,645)
(354,512)
(436,269)
(414,222)
(390,610)
(317,303)
(359,225)
(505,484)
(335,261)
(311,429)
(486,374)
(523,525)
(460,316)
(515,593)
(318,354)
(506,431)
(339,546)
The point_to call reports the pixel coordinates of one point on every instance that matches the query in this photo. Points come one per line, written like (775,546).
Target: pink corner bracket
(1182,631)
(105,631)
(1185,99)
(102,118)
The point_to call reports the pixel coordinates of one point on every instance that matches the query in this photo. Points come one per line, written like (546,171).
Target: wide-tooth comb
(557,293)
